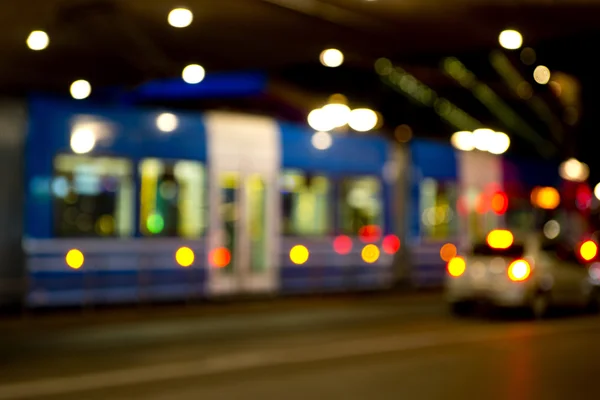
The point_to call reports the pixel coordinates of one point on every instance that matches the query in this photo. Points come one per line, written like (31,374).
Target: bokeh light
(167,122)
(342,244)
(510,39)
(80,89)
(185,256)
(588,250)
(541,74)
(391,244)
(448,252)
(180,17)
(299,254)
(500,239)
(38,40)
(321,140)
(370,253)
(193,74)
(83,140)
(320,121)
(332,58)
(456,266)
(463,140)
(74,259)
(363,119)
(220,257)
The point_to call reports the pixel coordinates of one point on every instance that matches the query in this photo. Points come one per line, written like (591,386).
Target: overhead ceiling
(128,42)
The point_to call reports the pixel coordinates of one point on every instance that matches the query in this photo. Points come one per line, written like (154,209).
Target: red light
(583,197)
(391,244)
(499,203)
(342,244)
(220,257)
(369,233)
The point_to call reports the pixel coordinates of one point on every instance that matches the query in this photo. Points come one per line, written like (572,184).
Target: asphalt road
(380,347)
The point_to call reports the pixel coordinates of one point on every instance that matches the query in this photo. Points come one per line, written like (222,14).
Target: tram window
(305,204)
(92,196)
(438,209)
(360,204)
(172,201)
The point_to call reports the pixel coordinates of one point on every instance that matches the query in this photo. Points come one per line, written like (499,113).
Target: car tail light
(456,266)
(519,270)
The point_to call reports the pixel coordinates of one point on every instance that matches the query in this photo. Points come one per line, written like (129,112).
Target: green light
(155,223)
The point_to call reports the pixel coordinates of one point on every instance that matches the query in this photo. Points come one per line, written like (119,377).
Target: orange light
(370,253)
(499,203)
(448,252)
(220,257)
(342,244)
(74,259)
(391,244)
(456,266)
(546,198)
(481,204)
(369,233)
(519,270)
(500,239)
(185,256)
(299,254)
(588,250)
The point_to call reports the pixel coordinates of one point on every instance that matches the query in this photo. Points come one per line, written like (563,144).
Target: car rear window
(482,249)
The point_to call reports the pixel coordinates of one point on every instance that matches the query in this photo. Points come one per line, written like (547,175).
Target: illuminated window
(438,209)
(360,204)
(93,196)
(172,201)
(306,204)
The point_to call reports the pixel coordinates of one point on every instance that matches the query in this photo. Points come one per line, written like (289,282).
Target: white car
(534,275)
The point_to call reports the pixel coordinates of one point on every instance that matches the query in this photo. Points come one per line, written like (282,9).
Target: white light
(362,119)
(332,58)
(180,17)
(573,170)
(38,40)
(551,229)
(482,139)
(167,122)
(338,114)
(499,144)
(83,141)
(541,74)
(510,39)
(597,191)
(81,89)
(462,140)
(193,74)
(319,120)
(321,140)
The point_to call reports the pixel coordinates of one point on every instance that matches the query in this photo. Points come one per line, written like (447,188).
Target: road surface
(362,347)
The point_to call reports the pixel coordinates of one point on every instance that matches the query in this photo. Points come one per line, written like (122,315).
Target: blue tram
(124,205)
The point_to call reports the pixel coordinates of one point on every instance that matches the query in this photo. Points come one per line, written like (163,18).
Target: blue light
(214,85)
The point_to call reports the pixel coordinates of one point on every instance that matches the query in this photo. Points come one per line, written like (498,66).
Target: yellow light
(193,74)
(299,254)
(185,256)
(167,122)
(463,140)
(370,253)
(519,270)
(456,266)
(332,58)
(83,140)
(80,89)
(38,40)
(546,198)
(500,239)
(448,252)
(180,17)
(510,39)
(74,259)
(363,119)
(541,74)
(588,250)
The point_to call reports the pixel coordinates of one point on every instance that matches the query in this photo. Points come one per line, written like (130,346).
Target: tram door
(242,246)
